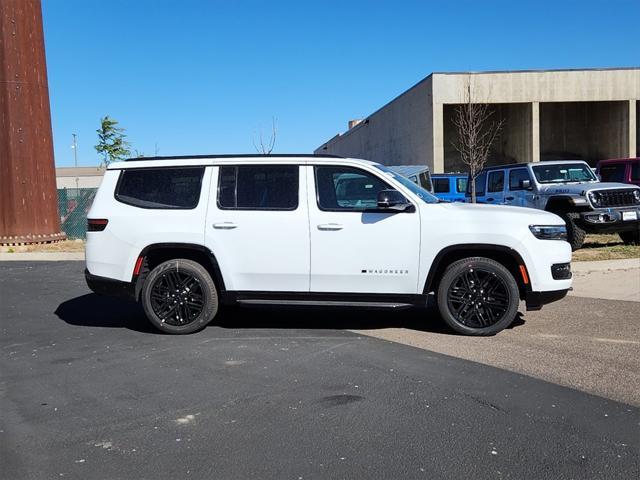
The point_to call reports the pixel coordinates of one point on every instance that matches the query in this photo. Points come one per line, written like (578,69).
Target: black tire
(631,237)
(179,297)
(575,234)
(478,311)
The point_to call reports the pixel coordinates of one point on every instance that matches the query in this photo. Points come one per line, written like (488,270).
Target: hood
(499,214)
(579,188)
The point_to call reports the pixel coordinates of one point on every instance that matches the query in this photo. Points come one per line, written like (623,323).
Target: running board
(327,303)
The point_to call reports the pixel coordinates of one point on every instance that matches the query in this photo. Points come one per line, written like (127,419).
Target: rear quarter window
(161,188)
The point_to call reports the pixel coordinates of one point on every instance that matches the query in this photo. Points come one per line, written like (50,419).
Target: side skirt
(317,299)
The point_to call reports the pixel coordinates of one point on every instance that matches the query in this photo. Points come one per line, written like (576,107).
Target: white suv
(183,235)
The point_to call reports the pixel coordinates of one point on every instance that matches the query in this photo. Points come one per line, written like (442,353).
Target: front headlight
(549,232)
(595,198)
(636,195)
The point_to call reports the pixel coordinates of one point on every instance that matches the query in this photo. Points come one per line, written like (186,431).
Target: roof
(537,70)
(617,160)
(449,175)
(205,160)
(408,170)
(231,155)
(524,164)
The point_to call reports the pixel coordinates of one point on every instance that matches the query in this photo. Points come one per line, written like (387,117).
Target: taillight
(96,224)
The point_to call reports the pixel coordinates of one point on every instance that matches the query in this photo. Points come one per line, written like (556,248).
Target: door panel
(355,248)
(495,187)
(258,227)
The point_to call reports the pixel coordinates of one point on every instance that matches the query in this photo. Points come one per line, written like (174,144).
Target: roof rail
(243,155)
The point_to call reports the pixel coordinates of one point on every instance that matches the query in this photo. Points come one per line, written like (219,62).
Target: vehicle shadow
(93,310)
(333,318)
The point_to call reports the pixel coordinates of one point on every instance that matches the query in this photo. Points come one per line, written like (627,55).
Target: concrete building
(79,177)
(552,114)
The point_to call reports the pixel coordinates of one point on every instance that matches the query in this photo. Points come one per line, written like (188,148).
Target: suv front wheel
(478,296)
(179,296)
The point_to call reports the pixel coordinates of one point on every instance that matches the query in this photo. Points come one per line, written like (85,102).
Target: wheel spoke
(478,298)
(177,298)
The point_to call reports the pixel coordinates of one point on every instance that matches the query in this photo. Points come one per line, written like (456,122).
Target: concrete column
(633,129)
(535,131)
(438,139)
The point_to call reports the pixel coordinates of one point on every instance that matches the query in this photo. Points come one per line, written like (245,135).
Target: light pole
(75,149)
(75,162)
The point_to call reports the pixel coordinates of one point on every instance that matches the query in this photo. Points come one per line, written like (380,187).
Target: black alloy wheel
(179,296)
(478,296)
(176,298)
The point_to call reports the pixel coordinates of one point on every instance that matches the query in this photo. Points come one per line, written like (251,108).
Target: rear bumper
(535,300)
(110,287)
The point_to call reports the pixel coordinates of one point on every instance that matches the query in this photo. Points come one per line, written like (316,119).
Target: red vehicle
(624,170)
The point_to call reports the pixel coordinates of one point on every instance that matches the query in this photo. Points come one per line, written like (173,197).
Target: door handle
(490,199)
(330,226)
(225,226)
(509,198)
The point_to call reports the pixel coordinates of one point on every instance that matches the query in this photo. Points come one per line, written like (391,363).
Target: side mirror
(392,200)
(525,184)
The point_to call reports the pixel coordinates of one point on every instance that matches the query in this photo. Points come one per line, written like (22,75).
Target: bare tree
(266,148)
(477,132)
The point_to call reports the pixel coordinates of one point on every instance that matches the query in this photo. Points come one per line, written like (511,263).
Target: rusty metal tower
(28,197)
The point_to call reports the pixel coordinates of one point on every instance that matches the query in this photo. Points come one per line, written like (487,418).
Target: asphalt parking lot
(89,390)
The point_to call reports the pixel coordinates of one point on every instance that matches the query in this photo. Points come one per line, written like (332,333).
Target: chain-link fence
(73,205)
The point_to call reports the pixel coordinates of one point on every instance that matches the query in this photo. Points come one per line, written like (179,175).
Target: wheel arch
(559,203)
(154,254)
(507,256)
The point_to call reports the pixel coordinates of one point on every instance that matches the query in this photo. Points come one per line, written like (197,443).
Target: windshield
(425,196)
(563,173)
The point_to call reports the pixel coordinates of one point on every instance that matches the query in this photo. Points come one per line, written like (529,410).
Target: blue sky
(197,77)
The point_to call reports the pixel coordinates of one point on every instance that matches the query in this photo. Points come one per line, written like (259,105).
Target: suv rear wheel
(179,296)
(478,296)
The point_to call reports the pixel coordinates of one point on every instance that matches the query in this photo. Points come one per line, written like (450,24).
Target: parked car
(569,189)
(623,170)
(184,235)
(451,187)
(418,174)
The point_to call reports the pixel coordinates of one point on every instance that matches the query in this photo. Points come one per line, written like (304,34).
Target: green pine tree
(112,143)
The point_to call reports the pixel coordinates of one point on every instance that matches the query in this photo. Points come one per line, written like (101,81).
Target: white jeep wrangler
(183,235)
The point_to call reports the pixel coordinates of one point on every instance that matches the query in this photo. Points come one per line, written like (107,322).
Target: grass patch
(605,247)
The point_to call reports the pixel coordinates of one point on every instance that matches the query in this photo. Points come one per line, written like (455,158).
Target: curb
(40,256)
(584,268)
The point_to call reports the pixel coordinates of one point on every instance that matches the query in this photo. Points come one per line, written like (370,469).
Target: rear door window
(440,185)
(496,181)
(461,184)
(258,187)
(480,182)
(160,188)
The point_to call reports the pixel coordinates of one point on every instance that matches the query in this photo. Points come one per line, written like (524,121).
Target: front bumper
(611,220)
(110,287)
(535,300)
